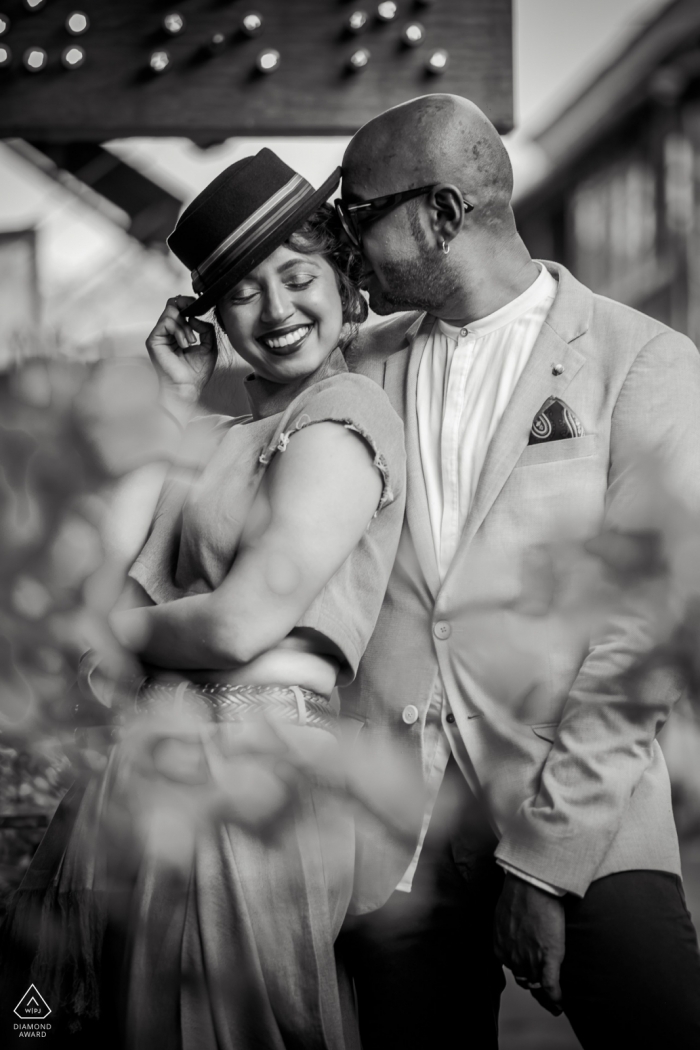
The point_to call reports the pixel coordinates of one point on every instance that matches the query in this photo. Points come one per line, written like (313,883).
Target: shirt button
(464,333)
(450,718)
(410,714)
(442,630)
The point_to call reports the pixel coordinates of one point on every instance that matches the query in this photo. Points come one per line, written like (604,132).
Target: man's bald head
(435,138)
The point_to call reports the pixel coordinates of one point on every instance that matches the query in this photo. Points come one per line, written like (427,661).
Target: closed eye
(301,281)
(241,299)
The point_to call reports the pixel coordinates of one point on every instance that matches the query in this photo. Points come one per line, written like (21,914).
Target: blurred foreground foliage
(70,433)
(74,434)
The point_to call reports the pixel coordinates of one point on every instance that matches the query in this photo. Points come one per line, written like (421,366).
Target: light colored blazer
(574,779)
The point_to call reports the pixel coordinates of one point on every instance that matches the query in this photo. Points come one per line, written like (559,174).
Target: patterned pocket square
(553,422)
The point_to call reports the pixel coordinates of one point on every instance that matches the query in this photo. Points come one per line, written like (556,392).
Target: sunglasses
(353,216)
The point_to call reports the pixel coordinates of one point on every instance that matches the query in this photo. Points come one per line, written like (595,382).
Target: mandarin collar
(543,287)
(269,399)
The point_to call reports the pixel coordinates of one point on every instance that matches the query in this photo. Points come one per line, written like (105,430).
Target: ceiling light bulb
(35,59)
(413,34)
(438,61)
(359,59)
(173,23)
(73,57)
(268,61)
(77,23)
(4,24)
(159,61)
(252,24)
(217,42)
(357,21)
(5,56)
(387,11)
(34,5)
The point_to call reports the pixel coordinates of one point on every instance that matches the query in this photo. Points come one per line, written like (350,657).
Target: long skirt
(189,895)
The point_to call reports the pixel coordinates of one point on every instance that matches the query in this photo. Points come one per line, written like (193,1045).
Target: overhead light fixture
(159,61)
(173,23)
(217,42)
(34,5)
(252,24)
(358,59)
(268,61)
(4,24)
(5,56)
(357,21)
(413,34)
(77,23)
(73,57)
(35,59)
(387,11)
(438,61)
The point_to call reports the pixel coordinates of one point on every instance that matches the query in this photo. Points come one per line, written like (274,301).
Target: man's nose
(277,306)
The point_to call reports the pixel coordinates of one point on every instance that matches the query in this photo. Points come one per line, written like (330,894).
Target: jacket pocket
(558,451)
(545,730)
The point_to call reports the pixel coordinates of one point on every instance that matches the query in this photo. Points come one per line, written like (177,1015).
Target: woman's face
(285,317)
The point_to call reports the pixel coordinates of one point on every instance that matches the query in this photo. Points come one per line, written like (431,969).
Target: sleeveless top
(208,494)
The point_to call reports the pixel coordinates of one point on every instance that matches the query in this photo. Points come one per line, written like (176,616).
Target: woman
(208,868)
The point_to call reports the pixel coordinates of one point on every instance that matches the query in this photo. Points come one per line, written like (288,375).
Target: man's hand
(529,939)
(184,364)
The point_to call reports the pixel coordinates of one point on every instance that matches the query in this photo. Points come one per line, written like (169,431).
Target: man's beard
(413,284)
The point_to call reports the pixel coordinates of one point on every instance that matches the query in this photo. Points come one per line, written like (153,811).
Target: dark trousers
(426,975)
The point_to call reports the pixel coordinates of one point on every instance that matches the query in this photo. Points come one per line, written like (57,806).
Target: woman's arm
(316,500)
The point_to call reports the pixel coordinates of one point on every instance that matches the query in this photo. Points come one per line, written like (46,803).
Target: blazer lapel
(400,382)
(536,384)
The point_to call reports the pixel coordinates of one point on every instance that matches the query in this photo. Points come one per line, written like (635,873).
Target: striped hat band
(243,240)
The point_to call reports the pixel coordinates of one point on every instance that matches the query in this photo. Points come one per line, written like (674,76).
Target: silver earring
(445,247)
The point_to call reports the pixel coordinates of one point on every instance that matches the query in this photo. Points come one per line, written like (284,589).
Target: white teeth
(276,342)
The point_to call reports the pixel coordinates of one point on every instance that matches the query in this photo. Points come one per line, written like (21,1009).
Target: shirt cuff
(554,890)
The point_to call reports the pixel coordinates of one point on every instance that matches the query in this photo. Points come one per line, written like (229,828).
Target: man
(526,399)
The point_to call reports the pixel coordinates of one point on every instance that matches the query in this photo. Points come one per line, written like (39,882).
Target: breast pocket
(559,451)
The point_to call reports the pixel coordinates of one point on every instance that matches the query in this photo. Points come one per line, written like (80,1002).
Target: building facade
(619,203)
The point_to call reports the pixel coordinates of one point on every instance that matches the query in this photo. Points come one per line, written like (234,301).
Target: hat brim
(264,248)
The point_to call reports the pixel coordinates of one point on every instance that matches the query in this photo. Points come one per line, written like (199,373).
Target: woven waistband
(219,702)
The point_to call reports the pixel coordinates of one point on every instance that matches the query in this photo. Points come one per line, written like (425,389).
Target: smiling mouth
(285,341)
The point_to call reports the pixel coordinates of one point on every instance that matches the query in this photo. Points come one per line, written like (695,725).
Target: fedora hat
(238,220)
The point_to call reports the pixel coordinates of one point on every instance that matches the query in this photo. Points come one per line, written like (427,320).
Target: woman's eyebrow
(290,263)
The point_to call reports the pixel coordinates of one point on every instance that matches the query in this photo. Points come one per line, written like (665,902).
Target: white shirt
(466,378)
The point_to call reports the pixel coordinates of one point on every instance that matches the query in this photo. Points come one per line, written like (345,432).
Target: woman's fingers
(207,335)
(174,309)
(172,328)
(177,330)
(183,353)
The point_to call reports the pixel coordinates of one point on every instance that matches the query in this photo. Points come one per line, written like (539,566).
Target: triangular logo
(32,1006)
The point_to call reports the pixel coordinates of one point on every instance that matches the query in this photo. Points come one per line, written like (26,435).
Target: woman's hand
(184,365)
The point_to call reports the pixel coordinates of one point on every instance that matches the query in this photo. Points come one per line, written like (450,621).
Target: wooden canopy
(100,84)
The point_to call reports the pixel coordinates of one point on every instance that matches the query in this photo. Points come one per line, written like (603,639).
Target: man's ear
(447,211)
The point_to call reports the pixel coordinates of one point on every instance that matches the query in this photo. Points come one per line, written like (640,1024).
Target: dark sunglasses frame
(352,216)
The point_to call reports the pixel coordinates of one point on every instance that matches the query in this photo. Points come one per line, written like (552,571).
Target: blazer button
(442,630)
(450,718)
(410,714)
